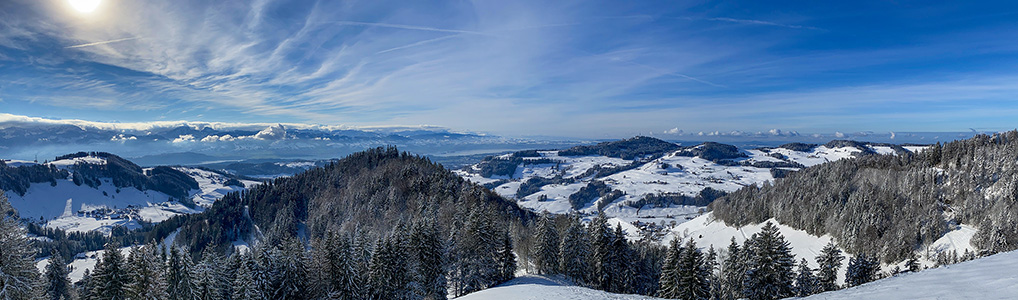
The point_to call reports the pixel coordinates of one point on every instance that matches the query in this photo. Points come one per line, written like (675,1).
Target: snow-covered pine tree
(245,285)
(291,270)
(861,269)
(546,246)
(913,263)
(84,286)
(830,260)
(429,251)
(668,285)
(179,276)
(389,275)
(770,271)
(58,285)
(805,281)
(733,272)
(146,273)
(477,247)
(19,279)
(506,259)
(625,274)
(604,260)
(208,275)
(711,265)
(110,280)
(693,276)
(264,269)
(574,252)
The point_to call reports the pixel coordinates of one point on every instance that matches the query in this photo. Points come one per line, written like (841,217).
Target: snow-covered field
(992,277)
(71,207)
(534,287)
(670,174)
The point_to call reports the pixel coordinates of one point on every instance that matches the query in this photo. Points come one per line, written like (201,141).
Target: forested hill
(371,192)
(892,206)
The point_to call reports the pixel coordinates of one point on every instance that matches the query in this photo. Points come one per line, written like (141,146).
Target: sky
(591,69)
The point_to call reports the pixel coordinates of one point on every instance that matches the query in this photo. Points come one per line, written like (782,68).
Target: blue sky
(519,68)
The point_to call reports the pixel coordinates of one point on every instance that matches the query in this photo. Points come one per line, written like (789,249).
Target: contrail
(418,43)
(411,27)
(102,43)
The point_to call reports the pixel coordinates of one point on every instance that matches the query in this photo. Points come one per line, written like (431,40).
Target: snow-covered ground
(67,206)
(670,174)
(82,262)
(992,277)
(533,287)
(708,232)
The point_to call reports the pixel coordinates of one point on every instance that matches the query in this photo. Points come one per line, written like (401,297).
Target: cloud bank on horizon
(566,68)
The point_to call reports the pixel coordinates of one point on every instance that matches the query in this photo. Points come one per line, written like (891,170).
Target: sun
(84,6)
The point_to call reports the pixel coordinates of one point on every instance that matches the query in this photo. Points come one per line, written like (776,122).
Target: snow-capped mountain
(98,191)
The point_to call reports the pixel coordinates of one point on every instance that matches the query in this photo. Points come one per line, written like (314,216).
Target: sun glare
(84,6)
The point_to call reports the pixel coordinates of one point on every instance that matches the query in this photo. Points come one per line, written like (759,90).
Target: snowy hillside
(99,204)
(534,287)
(992,277)
(708,232)
(671,184)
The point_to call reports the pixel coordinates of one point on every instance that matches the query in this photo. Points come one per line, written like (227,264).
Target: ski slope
(534,287)
(991,277)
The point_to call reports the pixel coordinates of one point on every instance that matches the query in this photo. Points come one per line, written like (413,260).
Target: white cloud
(673,131)
(122,138)
(185,138)
(839,135)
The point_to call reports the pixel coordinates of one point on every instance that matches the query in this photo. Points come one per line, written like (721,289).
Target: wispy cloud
(761,22)
(103,42)
(409,27)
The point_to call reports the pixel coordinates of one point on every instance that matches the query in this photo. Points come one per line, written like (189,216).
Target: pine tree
(430,263)
(805,281)
(546,246)
(291,270)
(245,286)
(713,278)
(110,279)
(861,269)
(693,274)
(733,273)
(208,276)
(477,249)
(146,273)
(506,259)
(389,274)
(574,252)
(830,262)
(19,279)
(668,286)
(334,264)
(770,271)
(58,285)
(913,263)
(180,283)
(604,260)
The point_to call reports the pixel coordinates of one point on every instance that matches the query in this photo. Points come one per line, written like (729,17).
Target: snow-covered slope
(674,178)
(533,287)
(708,232)
(80,207)
(992,277)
